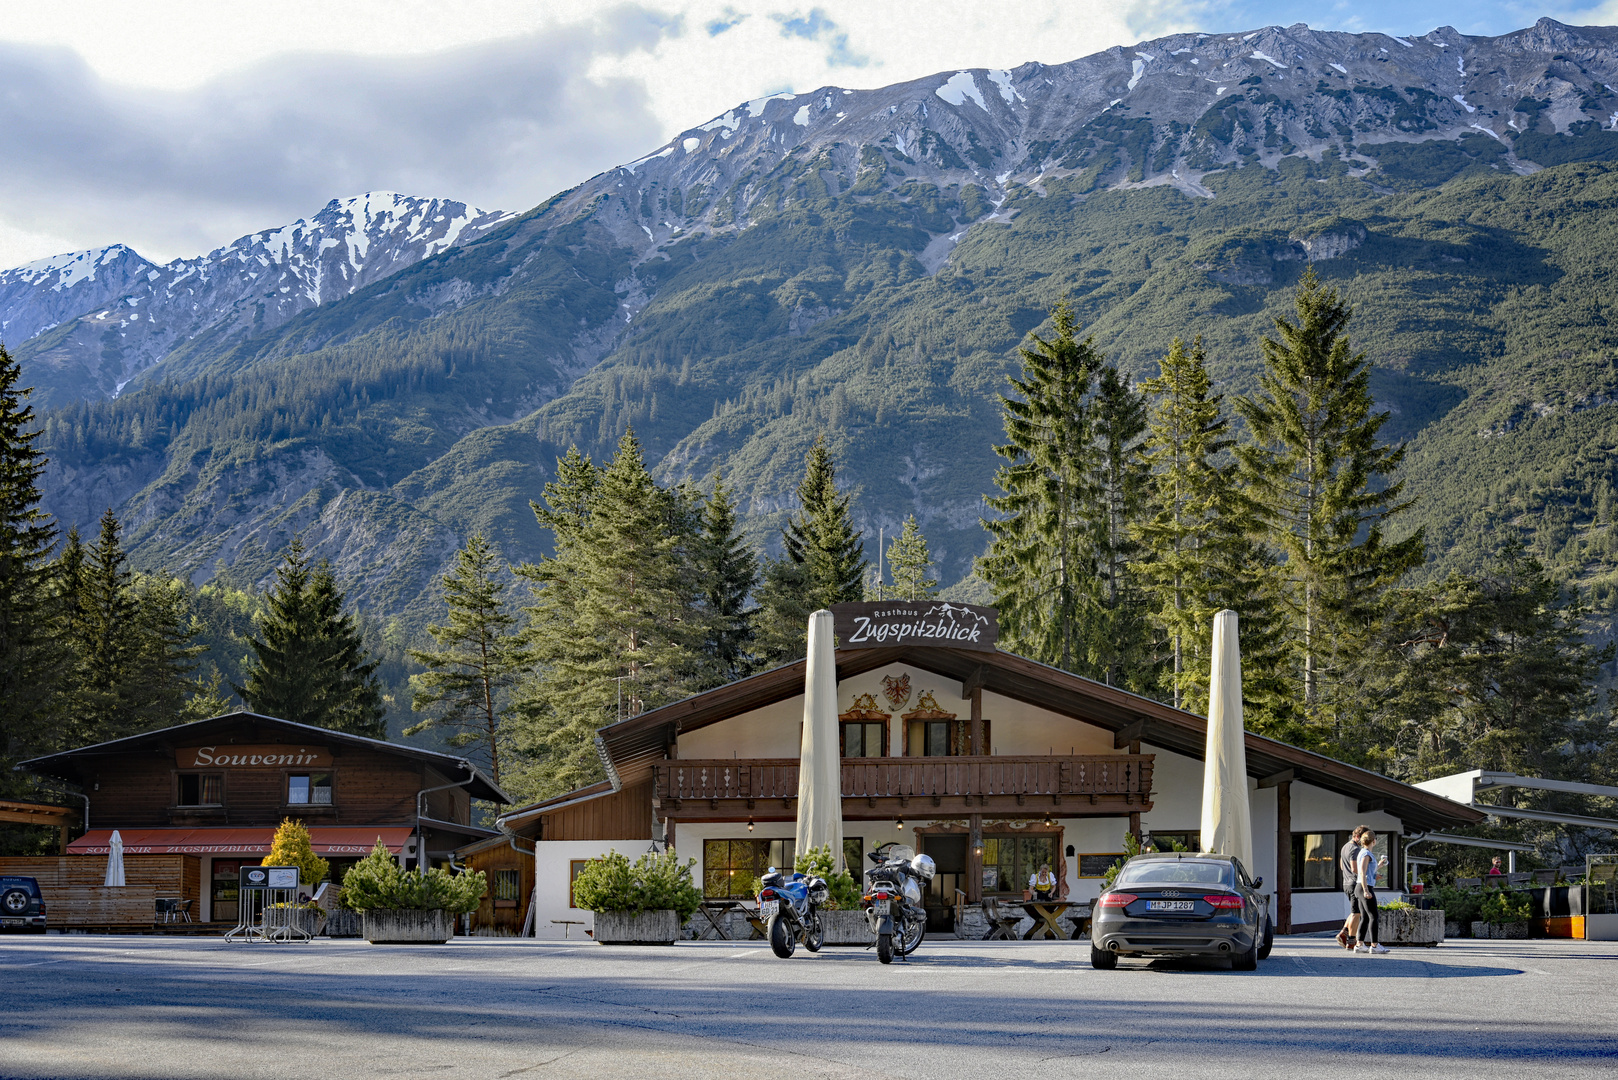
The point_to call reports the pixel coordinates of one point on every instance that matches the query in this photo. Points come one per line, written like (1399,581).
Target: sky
(175,126)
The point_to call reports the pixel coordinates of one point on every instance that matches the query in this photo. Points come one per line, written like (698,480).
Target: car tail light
(1224,900)
(1118,899)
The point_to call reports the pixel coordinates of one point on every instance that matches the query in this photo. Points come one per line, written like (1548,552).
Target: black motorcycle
(892,899)
(790,910)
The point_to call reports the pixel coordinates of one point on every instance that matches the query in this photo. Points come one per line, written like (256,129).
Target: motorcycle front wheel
(884,948)
(782,941)
(914,931)
(815,935)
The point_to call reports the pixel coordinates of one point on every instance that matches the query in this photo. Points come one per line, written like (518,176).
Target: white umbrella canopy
(820,779)
(1227,818)
(115,861)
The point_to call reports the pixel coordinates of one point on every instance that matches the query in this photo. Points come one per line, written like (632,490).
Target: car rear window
(1164,872)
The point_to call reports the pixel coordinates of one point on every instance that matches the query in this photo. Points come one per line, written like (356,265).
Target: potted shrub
(1460,907)
(1405,924)
(292,846)
(403,906)
(1504,915)
(644,903)
(840,917)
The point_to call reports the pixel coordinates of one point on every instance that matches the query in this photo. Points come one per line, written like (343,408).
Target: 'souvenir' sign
(877,623)
(252,757)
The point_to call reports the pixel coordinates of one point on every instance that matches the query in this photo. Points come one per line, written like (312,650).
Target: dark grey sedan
(1181,904)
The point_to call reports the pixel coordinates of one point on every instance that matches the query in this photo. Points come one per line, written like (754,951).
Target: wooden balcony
(767,788)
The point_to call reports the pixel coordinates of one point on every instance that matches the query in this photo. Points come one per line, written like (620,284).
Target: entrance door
(949,855)
(223,896)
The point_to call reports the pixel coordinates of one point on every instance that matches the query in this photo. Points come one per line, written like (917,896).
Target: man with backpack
(1347,860)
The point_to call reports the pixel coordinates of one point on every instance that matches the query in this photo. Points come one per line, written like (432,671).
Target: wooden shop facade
(192,803)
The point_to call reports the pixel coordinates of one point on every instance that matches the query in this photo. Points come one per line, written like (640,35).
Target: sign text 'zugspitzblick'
(878,623)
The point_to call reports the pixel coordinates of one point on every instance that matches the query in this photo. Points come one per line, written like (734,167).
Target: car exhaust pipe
(1112,946)
(1224,946)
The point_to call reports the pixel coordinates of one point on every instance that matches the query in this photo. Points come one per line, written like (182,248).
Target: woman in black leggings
(1365,895)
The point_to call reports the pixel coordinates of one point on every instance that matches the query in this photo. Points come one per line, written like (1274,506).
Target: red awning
(327,839)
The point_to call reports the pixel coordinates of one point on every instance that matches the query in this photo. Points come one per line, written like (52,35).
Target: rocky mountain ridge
(87,323)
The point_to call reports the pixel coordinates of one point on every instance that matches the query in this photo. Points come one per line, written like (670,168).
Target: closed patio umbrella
(115,861)
(820,779)
(1227,820)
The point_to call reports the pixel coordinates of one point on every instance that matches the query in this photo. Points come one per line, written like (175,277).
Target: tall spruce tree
(1042,559)
(728,566)
(31,660)
(823,563)
(1323,487)
(478,658)
(911,564)
(618,624)
(309,661)
(1123,647)
(1200,557)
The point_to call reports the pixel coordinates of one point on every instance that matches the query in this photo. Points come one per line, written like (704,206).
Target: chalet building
(952,750)
(192,803)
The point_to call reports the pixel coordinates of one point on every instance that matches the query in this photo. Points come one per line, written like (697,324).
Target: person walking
(1345,861)
(1365,866)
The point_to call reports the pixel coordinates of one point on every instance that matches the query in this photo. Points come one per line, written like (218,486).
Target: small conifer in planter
(409,905)
(641,903)
(292,846)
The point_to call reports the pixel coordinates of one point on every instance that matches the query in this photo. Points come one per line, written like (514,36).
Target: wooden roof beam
(1126,735)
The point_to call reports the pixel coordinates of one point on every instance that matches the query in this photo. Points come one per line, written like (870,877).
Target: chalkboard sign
(1098,865)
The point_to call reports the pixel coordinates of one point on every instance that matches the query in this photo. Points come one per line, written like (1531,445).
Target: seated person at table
(1043,883)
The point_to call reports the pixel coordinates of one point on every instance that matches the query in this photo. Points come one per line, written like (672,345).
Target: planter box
(1413,927)
(1499,931)
(1601,927)
(846,928)
(1455,928)
(310,921)
(407,926)
(647,928)
(342,923)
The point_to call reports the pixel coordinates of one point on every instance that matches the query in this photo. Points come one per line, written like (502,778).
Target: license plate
(769,909)
(14,922)
(882,907)
(1170,905)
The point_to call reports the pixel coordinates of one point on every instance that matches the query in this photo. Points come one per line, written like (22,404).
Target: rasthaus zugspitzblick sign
(876,624)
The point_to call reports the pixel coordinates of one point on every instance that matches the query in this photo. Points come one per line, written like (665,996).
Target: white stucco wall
(552,882)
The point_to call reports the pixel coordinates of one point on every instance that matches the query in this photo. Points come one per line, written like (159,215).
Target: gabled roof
(66,765)
(633,745)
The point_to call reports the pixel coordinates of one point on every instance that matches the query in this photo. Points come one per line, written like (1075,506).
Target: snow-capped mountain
(99,318)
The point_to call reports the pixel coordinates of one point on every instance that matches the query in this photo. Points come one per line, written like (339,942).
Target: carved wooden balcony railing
(876,787)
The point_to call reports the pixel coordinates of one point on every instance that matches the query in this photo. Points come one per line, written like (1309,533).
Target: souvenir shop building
(989,762)
(192,803)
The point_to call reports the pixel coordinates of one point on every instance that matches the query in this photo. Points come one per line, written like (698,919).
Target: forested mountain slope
(864,264)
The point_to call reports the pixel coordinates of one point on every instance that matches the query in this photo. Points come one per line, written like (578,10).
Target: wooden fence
(75,896)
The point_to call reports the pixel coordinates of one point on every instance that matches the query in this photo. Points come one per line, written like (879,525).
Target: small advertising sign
(269,877)
(877,624)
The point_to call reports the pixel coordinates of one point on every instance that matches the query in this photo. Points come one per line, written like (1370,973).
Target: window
(201,789)
(309,789)
(1165,841)
(1176,872)
(574,867)
(942,738)
(1009,861)
(729,866)
(854,856)
(862,739)
(507,888)
(1314,861)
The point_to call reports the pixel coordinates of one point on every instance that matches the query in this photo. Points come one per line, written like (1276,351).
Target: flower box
(646,928)
(408,926)
(1500,931)
(1411,927)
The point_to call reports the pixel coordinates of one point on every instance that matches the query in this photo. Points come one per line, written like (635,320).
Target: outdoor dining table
(1045,913)
(715,911)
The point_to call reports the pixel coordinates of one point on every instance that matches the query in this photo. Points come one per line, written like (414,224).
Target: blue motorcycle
(790,910)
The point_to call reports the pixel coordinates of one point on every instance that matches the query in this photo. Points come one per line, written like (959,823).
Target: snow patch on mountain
(959,87)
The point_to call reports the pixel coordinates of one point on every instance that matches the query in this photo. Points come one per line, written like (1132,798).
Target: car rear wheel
(1269,939)
(14,902)
(1102,959)
(1245,961)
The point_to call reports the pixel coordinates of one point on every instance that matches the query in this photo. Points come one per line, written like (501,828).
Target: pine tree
(618,624)
(1199,555)
(1123,653)
(911,562)
(309,662)
(31,660)
(823,563)
(1042,562)
(1323,486)
(106,638)
(728,565)
(478,658)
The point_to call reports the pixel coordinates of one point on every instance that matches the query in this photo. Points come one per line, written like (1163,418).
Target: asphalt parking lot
(80,1006)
